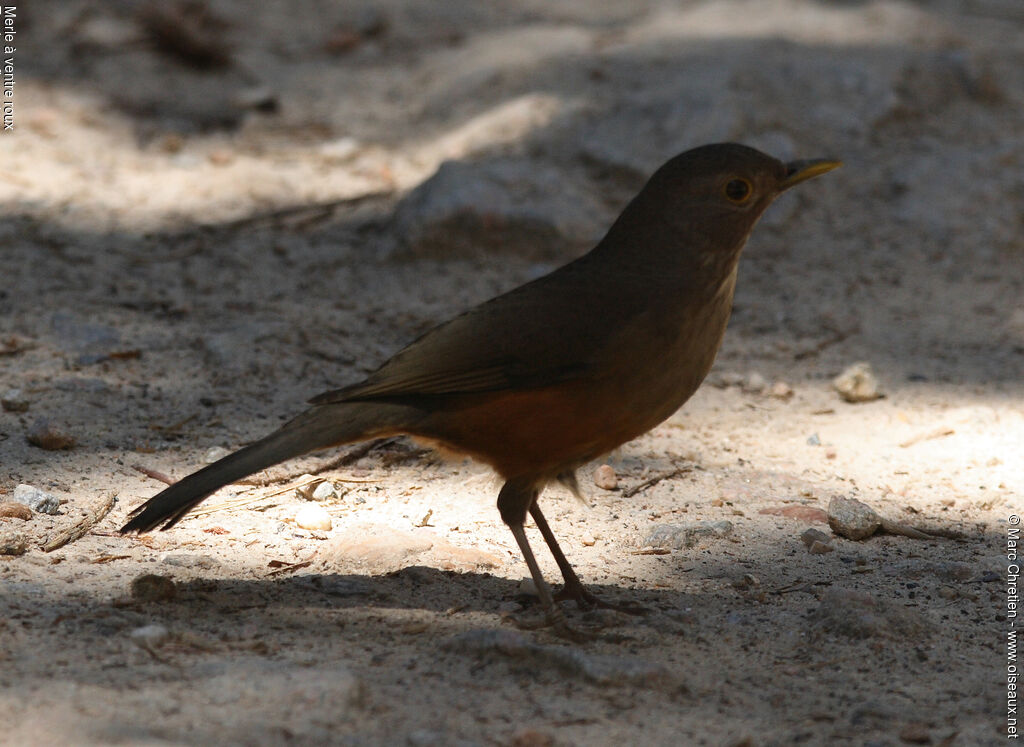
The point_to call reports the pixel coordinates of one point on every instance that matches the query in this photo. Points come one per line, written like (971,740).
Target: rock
(215,454)
(13,543)
(150,637)
(812,537)
(680,536)
(189,560)
(857,614)
(36,499)
(375,548)
(852,519)
(857,384)
(605,477)
(814,440)
(15,510)
(510,206)
(781,390)
(313,516)
(46,436)
(588,540)
(324,491)
(754,383)
(14,400)
(153,588)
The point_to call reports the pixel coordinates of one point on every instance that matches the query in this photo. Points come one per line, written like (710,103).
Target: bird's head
(703,203)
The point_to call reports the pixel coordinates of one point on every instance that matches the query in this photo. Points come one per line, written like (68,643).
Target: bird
(557,372)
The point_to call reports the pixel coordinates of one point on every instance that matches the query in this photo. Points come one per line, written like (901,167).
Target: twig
(289,568)
(937,433)
(78,530)
(838,335)
(630,492)
(160,476)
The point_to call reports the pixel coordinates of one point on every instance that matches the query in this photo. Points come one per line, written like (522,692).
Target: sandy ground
(169,288)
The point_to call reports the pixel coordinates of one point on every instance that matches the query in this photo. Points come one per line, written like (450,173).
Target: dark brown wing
(539,334)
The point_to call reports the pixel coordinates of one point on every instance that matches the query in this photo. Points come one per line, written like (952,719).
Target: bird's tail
(316,428)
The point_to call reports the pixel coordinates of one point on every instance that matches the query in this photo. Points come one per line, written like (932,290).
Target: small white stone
(150,636)
(313,517)
(755,383)
(215,454)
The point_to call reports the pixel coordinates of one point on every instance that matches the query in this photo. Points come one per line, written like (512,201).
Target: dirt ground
(200,233)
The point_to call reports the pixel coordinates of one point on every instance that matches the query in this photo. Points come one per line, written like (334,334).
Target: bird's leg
(573,588)
(514,501)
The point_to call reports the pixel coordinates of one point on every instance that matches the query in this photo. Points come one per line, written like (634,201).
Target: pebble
(13,543)
(188,560)
(14,510)
(150,637)
(781,390)
(13,400)
(814,440)
(605,477)
(153,588)
(588,539)
(215,454)
(36,499)
(851,518)
(754,383)
(46,436)
(325,491)
(857,383)
(313,516)
(679,536)
(817,542)
(820,548)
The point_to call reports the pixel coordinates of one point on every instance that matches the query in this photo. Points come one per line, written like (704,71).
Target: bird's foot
(555,622)
(585,600)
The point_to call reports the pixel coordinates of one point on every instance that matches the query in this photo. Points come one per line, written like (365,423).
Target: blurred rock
(151,587)
(857,383)
(857,614)
(12,510)
(150,637)
(14,400)
(513,206)
(13,543)
(680,536)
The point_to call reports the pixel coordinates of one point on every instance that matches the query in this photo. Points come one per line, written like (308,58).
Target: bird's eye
(738,191)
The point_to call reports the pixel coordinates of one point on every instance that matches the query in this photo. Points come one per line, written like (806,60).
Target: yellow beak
(801,171)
